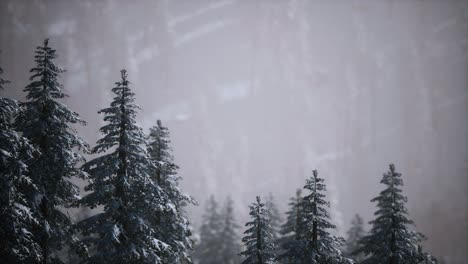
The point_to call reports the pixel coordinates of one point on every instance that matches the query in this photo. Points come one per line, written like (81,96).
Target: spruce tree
(228,238)
(293,247)
(17,243)
(121,182)
(258,239)
(322,246)
(49,125)
(390,241)
(207,251)
(355,234)
(174,226)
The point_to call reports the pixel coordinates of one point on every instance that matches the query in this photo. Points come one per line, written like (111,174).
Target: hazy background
(256,94)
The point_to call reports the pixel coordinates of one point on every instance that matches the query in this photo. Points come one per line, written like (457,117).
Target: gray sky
(258,93)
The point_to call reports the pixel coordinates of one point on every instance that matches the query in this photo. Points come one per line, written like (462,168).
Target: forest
(141,211)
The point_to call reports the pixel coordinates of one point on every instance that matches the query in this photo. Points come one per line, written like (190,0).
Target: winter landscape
(233,131)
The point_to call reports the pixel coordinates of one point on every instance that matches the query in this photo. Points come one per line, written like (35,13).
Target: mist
(257,94)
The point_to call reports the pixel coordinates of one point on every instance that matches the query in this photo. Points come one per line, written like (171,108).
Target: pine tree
(228,238)
(390,241)
(275,216)
(49,125)
(17,243)
(293,247)
(121,182)
(175,227)
(258,239)
(322,246)
(355,234)
(207,251)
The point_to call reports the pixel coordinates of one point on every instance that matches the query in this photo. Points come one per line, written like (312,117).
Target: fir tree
(49,125)
(207,251)
(228,246)
(355,234)
(17,243)
(390,241)
(121,182)
(322,246)
(174,226)
(258,239)
(291,242)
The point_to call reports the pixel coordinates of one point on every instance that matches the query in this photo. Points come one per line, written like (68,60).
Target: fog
(257,94)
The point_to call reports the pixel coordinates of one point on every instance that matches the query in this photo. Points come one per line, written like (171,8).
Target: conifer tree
(258,239)
(174,226)
(275,215)
(17,243)
(322,246)
(207,251)
(121,182)
(390,241)
(228,238)
(293,247)
(49,125)
(355,234)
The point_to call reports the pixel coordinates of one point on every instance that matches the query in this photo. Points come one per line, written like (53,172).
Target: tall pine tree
(322,246)
(49,125)
(258,239)
(293,247)
(174,226)
(121,182)
(17,243)
(390,241)
(228,237)
(207,251)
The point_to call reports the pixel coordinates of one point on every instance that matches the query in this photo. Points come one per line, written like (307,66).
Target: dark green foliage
(174,228)
(258,240)
(390,241)
(121,182)
(17,243)
(49,126)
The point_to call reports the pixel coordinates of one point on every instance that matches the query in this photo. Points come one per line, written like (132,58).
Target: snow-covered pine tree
(121,182)
(207,251)
(17,244)
(258,240)
(322,246)
(390,241)
(174,227)
(355,234)
(49,125)
(228,238)
(293,246)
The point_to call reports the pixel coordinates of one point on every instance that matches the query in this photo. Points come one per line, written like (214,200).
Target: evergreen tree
(322,246)
(17,244)
(122,183)
(258,239)
(275,216)
(355,234)
(49,125)
(390,241)
(207,251)
(291,242)
(228,239)
(175,228)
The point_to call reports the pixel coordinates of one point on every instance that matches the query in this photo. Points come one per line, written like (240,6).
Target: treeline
(132,181)
(307,235)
